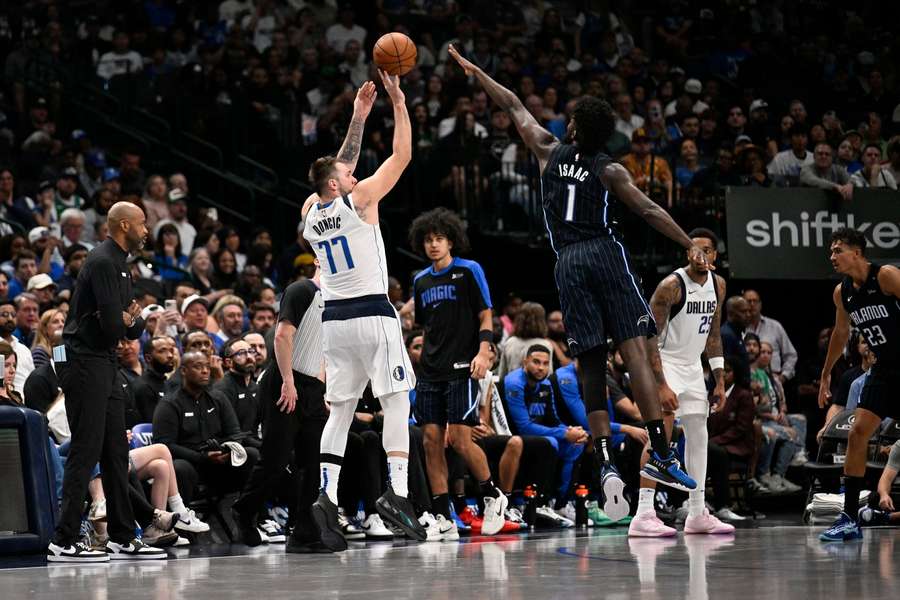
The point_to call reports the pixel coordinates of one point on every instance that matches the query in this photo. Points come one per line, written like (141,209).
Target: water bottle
(531,500)
(581,496)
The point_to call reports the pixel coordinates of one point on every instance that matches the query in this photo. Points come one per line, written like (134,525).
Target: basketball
(395,53)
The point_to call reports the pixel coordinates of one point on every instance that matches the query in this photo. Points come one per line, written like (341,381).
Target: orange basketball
(395,53)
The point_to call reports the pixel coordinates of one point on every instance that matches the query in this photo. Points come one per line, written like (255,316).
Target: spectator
(688,165)
(129,355)
(4,286)
(8,395)
(847,157)
(759,129)
(225,270)
(893,152)
(8,319)
(785,167)
(344,30)
(120,60)
(712,181)
(178,216)
(27,318)
(17,208)
(873,174)
(651,174)
(556,333)
(155,200)
(169,254)
(784,357)
(91,178)
(529,329)
(231,239)
(194,311)
(826,175)
(199,427)
(240,389)
(71,223)
(102,202)
(46,247)
(354,65)
(200,269)
(262,317)
(260,352)
(752,167)
(160,359)
(229,314)
(738,315)
(25,268)
(43,289)
(627,123)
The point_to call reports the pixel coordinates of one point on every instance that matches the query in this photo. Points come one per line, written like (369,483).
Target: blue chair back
(141,435)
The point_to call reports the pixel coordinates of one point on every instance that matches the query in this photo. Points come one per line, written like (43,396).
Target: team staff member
(102,313)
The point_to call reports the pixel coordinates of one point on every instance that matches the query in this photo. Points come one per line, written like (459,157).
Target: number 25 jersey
(350,251)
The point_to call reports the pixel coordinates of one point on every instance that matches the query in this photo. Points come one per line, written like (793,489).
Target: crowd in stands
(728,95)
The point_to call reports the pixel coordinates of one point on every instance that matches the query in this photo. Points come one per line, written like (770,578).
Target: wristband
(716,362)
(486,335)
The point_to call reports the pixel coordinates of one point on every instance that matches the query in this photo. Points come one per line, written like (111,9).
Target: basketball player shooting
(361,334)
(598,291)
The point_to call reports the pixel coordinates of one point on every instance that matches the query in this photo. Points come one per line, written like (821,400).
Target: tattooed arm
(666,295)
(365,98)
(714,341)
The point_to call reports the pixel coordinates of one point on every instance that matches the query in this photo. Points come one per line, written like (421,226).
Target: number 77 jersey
(350,251)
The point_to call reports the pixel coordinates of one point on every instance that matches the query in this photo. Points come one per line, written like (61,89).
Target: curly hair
(438,221)
(595,121)
(531,321)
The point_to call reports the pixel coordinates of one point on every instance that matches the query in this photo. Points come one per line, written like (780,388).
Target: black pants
(718,469)
(95,408)
(300,433)
(224,478)
(361,472)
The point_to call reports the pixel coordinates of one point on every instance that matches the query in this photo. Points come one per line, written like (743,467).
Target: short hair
(872,145)
(23,255)
(826,144)
(226,352)
(797,129)
(537,348)
(703,232)
(25,297)
(148,347)
(186,336)
(321,171)
(438,221)
(750,337)
(595,122)
(850,237)
(413,334)
(258,307)
(738,369)
(69,214)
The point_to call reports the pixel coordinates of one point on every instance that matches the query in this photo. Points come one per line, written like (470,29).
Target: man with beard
(260,351)
(239,387)
(160,359)
(556,331)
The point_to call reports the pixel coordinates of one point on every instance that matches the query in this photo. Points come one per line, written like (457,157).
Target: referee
(102,313)
(292,399)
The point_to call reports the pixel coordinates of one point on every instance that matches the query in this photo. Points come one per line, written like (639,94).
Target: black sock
(488,490)
(601,447)
(852,487)
(658,440)
(459,503)
(441,505)
(559,503)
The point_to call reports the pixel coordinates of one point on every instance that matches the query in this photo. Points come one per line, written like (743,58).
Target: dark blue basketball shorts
(442,402)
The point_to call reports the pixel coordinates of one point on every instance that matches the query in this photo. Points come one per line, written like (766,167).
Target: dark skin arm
(666,295)
(539,140)
(839,336)
(714,344)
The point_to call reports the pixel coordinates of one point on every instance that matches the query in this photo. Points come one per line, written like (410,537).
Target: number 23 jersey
(876,315)
(350,251)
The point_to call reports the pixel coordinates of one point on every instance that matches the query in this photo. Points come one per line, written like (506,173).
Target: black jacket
(185,424)
(244,400)
(149,390)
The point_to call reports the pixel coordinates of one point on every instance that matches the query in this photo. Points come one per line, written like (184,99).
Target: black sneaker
(134,550)
(325,516)
(400,512)
(296,545)
(75,553)
(247,527)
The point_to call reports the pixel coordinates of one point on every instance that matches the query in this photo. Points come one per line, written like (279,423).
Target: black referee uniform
(95,403)
(448,303)
(300,432)
(599,293)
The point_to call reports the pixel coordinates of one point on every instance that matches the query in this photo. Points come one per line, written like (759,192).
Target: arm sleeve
(297,299)
(518,412)
(105,287)
(165,431)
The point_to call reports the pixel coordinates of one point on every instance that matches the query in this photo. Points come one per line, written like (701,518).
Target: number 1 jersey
(350,251)
(577,206)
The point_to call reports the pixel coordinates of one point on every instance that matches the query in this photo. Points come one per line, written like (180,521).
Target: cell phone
(170,304)
(2,368)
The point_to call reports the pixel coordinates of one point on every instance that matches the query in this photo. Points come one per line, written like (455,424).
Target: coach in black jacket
(193,421)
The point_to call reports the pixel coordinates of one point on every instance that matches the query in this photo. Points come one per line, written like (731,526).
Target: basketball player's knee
(460,436)
(515,445)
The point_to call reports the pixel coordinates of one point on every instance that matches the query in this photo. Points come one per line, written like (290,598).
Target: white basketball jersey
(350,251)
(684,339)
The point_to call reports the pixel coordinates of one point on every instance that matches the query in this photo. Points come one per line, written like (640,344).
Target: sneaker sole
(154,556)
(653,475)
(74,560)
(496,524)
(191,529)
(648,534)
(387,514)
(614,504)
(333,540)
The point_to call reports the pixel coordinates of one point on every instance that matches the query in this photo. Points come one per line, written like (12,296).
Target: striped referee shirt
(301,306)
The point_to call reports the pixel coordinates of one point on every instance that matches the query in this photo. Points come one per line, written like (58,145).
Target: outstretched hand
(467,65)
(392,85)
(365,99)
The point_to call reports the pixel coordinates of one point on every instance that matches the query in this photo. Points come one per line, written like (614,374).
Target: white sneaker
(771,481)
(568,512)
(551,515)
(374,528)
(75,553)
(351,530)
(263,536)
(726,514)
(788,486)
(191,523)
(134,550)
(494,511)
(441,530)
(514,515)
(800,459)
(273,531)
(181,541)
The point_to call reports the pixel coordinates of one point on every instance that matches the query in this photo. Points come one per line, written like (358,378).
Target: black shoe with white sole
(75,553)
(134,550)
(399,511)
(325,516)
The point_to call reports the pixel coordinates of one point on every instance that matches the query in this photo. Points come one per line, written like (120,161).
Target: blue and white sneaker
(668,471)
(614,503)
(843,530)
(872,517)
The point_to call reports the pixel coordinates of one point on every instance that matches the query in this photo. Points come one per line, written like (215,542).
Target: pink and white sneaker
(706,523)
(648,525)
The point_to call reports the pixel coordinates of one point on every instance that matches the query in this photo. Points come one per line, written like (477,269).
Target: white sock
(176,504)
(398,472)
(328,480)
(645,500)
(696,441)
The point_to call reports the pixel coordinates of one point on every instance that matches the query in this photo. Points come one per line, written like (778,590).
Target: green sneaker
(601,519)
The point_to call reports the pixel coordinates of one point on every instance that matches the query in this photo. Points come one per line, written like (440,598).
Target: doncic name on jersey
(326,224)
